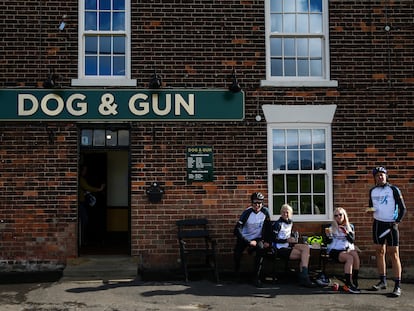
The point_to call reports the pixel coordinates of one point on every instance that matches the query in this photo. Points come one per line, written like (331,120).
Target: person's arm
(349,235)
(399,201)
(238,229)
(87,187)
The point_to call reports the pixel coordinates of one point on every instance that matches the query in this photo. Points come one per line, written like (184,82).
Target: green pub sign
(200,163)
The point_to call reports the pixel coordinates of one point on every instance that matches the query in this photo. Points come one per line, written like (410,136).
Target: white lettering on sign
(139,104)
(28,105)
(21,105)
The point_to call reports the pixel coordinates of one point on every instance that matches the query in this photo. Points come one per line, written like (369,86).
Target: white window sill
(104,82)
(296,83)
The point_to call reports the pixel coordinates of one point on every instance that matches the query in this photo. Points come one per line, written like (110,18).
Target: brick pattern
(196,44)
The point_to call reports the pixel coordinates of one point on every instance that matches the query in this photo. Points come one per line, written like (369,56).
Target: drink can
(335,287)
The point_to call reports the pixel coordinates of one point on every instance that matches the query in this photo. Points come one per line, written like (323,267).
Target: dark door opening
(107,229)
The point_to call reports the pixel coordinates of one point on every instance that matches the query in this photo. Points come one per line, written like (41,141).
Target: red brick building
(327,94)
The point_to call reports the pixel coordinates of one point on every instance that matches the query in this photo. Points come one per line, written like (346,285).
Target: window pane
(319,204)
(319,183)
(316,67)
(123,137)
(320,160)
(278,184)
(292,139)
(119,65)
(289,47)
(290,67)
(305,204)
(278,201)
(91,65)
(91,45)
(305,183)
(276,23)
(305,139)
(279,161)
(319,139)
(303,50)
(104,4)
(104,21)
(279,139)
(316,6)
(302,6)
(90,21)
(119,4)
(289,5)
(303,23)
(99,138)
(119,45)
(276,47)
(316,23)
(119,21)
(105,45)
(303,68)
(90,4)
(111,138)
(277,67)
(105,65)
(315,46)
(289,23)
(276,5)
(306,160)
(293,160)
(86,138)
(293,201)
(292,183)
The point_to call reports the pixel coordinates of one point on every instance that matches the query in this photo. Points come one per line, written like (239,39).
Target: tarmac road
(128,295)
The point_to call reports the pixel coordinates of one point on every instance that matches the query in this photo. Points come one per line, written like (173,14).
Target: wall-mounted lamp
(62,24)
(235,86)
(155,81)
(51,81)
(155,193)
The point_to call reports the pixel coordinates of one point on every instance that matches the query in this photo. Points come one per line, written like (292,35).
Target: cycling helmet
(256,196)
(379,169)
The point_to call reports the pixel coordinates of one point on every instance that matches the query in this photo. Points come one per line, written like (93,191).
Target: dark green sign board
(200,163)
(120,105)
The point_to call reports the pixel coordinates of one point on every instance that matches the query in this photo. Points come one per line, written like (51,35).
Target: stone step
(102,267)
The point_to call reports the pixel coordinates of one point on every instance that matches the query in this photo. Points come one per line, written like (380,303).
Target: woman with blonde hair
(286,245)
(340,238)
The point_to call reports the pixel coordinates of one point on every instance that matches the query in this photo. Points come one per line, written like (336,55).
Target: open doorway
(107,229)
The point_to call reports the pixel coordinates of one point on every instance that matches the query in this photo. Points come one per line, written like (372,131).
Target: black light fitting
(235,86)
(51,82)
(155,81)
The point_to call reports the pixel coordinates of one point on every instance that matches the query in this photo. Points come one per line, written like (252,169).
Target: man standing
(388,207)
(249,233)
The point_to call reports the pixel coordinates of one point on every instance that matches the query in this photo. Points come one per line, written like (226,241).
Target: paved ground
(229,295)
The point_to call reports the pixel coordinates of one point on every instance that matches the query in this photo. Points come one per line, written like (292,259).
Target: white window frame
(299,117)
(84,80)
(273,81)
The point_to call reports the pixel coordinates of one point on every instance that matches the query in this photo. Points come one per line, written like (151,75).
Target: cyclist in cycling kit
(388,207)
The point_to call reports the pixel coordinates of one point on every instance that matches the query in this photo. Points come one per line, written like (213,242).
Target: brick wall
(196,44)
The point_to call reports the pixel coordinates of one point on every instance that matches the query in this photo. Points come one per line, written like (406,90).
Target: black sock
(397,282)
(383,279)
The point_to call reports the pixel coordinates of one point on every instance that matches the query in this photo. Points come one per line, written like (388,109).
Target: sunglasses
(257,202)
(338,215)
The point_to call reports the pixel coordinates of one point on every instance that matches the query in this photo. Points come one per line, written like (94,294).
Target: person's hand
(253,243)
(343,229)
(291,240)
(266,245)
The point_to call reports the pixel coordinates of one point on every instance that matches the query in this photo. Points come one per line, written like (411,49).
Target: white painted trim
(299,83)
(109,81)
(299,113)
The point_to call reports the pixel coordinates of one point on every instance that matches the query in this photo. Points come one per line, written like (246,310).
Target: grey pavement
(229,295)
